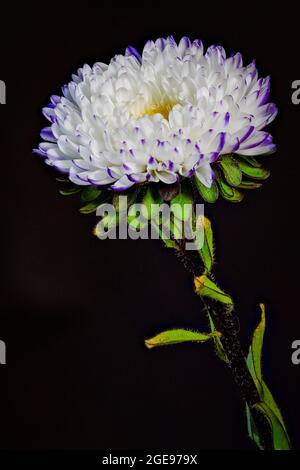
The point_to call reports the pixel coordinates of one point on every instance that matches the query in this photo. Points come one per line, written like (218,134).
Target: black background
(75,310)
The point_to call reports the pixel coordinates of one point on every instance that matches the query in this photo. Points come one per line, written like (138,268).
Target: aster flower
(161,126)
(172,112)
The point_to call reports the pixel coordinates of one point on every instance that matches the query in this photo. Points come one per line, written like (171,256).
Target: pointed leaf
(255,350)
(280,438)
(207,288)
(178,336)
(254,363)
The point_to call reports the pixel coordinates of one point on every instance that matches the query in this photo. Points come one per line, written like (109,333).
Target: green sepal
(70,191)
(228,192)
(253,172)
(231,170)
(250,160)
(249,185)
(90,193)
(207,249)
(63,179)
(103,197)
(207,288)
(131,195)
(151,197)
(179,336)
(136,221)
(90,207)
(208,194)
(182,205)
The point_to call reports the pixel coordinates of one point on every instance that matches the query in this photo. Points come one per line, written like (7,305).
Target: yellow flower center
(164,108)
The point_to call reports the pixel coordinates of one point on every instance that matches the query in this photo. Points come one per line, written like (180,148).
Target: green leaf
(227,192)
(249,185)
(208,194)
(207,288)
(218,344)
(231,170)
(70,192)
(252,172)
(280,438)
(179,336)
(255,350)
(207,250)
(89,193)
(268,406)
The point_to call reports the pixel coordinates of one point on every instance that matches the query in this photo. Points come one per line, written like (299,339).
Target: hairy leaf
(207,288)
(179,336)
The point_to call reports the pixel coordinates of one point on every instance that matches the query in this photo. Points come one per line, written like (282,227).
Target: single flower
(173,112)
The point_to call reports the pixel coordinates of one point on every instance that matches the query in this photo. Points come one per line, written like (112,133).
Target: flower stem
(228,325)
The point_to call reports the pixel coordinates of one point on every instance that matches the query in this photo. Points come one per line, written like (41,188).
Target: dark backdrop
(75,310)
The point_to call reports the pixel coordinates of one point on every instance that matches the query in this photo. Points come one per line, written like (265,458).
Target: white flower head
(161,116)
